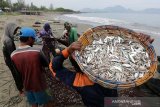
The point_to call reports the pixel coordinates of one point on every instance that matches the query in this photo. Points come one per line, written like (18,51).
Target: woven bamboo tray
(109,30)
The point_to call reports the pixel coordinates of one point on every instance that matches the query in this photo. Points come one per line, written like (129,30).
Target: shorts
(39,98)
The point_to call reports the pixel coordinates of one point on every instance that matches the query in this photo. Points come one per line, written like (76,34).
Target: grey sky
(98,4)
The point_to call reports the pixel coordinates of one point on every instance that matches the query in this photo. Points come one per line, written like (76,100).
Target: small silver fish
(112,58)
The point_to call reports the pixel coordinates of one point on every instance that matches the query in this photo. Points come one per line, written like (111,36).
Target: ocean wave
(148,32)
(107,21)
(98,20)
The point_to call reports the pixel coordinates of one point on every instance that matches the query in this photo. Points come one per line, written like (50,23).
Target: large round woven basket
(109,30)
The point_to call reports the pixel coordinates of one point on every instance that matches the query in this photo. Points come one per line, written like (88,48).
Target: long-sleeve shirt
(30,62)
(92,93)
(8,47)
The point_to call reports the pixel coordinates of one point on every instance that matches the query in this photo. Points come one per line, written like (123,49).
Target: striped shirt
(30,62)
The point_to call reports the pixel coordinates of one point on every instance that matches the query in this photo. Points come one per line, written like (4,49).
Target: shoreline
(8,91)
(153,31)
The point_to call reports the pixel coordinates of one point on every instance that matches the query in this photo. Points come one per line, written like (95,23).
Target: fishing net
(62,95)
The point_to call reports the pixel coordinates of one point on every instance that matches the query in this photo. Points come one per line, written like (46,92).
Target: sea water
(139,22)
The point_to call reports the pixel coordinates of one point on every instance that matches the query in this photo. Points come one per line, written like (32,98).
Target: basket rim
(149,47)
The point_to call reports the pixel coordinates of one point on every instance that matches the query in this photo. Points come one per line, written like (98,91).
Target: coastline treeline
(7,5)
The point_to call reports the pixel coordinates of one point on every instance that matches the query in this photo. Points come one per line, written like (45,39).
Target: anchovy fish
(115,58)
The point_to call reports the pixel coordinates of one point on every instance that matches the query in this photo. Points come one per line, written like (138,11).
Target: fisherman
(48,42)
(70,33)
(8,47)
(92,93)
(31,63)
(47,31)
(71,36)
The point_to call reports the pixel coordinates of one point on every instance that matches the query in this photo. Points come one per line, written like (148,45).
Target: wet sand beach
(9,95)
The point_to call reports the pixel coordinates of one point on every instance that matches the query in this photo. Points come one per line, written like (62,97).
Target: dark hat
(46,27)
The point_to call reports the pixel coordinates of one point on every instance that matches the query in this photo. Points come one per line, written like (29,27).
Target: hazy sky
(99,4)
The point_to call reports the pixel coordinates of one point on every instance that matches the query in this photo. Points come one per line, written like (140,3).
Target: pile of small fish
(115,58)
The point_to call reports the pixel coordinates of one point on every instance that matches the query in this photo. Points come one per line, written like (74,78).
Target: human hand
(74,46)
(57,51)
(21,93)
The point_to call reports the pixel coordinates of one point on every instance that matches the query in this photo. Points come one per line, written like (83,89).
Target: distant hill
(108,9)
(121,9)
(91,10)
(117,9)
(152,10)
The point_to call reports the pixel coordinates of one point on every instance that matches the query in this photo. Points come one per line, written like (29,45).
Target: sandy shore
(8,92)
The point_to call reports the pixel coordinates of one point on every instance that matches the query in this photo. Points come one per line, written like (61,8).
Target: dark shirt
(30,62)
(92,93)
(8,48)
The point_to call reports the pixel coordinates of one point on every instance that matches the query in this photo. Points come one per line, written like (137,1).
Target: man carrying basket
(92,93)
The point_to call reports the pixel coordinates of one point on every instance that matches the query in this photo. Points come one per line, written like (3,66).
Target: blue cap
(27,32)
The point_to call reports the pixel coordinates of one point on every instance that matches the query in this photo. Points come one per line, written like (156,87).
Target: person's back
(30,62)
(92,93)
(73,36)
(72,32)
